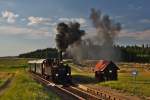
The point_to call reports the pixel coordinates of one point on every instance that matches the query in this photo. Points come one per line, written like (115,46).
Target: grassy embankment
(22,86)
(3,78)
(125,83)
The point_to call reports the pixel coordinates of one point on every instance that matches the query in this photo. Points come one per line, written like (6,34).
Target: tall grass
(22,86)
(25,88)
(2,81)
(3,78)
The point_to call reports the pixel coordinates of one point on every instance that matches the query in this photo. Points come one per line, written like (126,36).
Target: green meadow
(126,83)
(21,86)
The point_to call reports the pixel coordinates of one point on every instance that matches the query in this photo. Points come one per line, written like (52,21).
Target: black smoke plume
(68,34)
(89,46)
(106,28)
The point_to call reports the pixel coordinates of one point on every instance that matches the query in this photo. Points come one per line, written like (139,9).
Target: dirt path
(7,83)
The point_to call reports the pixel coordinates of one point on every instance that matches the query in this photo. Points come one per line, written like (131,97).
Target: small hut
(105,70)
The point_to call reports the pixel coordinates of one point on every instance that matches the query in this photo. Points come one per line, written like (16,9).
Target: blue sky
(27,25)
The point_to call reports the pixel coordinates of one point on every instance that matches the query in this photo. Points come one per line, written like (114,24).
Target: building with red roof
(105,70)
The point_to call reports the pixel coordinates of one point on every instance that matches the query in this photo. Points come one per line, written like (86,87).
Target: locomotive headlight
(68,74)
(56,74)
(110,71)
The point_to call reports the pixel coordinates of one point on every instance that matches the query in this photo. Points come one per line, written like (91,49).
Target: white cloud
(9,16)
(38,20)
(140,35)
(33,33)
(79,20)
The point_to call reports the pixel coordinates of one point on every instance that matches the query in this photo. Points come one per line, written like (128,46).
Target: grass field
(12,64)
(22,86)
(3,77)
(126,82)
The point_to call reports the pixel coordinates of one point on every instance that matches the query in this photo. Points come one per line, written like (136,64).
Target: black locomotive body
(51,69)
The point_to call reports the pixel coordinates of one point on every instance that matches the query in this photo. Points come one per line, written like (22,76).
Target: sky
(27,25)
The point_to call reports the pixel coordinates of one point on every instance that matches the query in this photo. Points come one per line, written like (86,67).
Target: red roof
(101,65)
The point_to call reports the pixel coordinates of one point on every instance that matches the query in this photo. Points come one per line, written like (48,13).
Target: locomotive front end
(62,74)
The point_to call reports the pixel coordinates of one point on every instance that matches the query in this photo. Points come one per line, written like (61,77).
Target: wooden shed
(105,70)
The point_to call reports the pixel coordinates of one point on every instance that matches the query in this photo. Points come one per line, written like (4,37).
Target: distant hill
(41,53)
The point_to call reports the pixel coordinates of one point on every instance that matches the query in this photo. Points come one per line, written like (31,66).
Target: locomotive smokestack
(60,56)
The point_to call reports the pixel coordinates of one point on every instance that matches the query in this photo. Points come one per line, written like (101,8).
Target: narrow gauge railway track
(67,93)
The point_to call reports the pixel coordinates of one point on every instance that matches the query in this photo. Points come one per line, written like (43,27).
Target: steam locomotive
(51,69)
